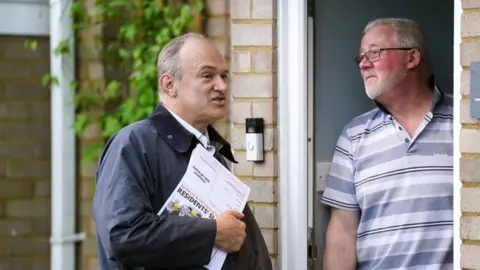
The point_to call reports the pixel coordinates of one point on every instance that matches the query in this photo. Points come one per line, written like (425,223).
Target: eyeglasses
(373,55)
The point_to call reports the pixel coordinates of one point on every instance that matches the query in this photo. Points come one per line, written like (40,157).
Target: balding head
(169,58)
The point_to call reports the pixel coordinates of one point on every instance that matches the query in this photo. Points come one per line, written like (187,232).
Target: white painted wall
(24,17)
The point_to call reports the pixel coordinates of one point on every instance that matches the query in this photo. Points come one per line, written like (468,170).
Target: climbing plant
(142,28)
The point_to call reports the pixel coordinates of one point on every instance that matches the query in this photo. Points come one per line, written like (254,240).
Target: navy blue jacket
(137,171)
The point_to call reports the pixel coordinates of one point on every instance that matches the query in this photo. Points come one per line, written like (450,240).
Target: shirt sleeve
(128,228)
(340,188)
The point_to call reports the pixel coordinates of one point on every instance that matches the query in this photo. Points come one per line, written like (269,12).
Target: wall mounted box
(475,90)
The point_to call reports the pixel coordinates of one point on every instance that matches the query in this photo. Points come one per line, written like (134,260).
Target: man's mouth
(219,100)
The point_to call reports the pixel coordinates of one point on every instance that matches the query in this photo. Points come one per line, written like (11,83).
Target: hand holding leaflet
(206,190)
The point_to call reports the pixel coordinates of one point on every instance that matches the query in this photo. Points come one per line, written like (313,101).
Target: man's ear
(414,58)
(167,83)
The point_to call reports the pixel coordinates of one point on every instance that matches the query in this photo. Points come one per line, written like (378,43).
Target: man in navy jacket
(143,163)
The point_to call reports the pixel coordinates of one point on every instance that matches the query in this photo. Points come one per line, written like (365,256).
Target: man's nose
(364,63)
(221,84)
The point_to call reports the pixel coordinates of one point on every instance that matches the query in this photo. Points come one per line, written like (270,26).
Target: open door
(335,89)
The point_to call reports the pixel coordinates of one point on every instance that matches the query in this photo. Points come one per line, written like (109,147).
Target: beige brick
(252,34)
(240,111)
(14,70)
(88,51)
(261,190)
(93,264)
(217,27)
(217,7)
(470,4)
(27,208)
(469,257)
(269,237)
(14,49)
(14,263)
(14,110)
(470,228)
(240,61)
(465,82)
(40,110)
(268,168)
(24,130)
(265,214)
(41,225)
(89,247)
(20,227)
(264,61)
(244,167)
(41,263)
(86,209)
(28,169)
(469,171)
(267,110)
(21,91)
(2,169)
(238,137)
(470,24)
(12,149)
(469,52)
(240,9)
(264,9)
(88,170)
(96,70)
(2,209)
(223,47)
(15,189)
(42,188)
(469,201)
(253,86)
(29,247)
(465,113)
(92,131)
(469,139)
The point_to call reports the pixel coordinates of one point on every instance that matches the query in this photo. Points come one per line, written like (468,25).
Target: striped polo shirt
(402,186)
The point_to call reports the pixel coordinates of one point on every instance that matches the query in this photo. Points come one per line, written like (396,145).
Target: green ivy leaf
(81,121)
(31,45)
(62,48)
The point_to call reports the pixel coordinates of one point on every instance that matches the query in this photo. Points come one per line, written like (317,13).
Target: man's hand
(230,231)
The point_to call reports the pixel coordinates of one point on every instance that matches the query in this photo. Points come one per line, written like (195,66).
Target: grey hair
(168,58)
(408,33)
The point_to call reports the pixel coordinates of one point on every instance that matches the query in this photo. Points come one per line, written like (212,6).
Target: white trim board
(24,18)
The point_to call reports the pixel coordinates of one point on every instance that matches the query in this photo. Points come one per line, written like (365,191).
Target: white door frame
(293,133)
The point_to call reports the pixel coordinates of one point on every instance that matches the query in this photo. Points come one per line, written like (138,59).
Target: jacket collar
(181,139)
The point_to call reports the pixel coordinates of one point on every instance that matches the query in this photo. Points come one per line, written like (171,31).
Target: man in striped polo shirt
(390,184)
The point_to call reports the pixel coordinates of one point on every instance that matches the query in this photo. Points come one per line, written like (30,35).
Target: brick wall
(217,28)
(24,155)
(469,138)
(253,90)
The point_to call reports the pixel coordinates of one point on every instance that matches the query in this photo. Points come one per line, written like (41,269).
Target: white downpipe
(292,112)
(63,149)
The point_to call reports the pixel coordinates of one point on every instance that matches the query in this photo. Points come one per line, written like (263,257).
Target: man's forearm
(339,256)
